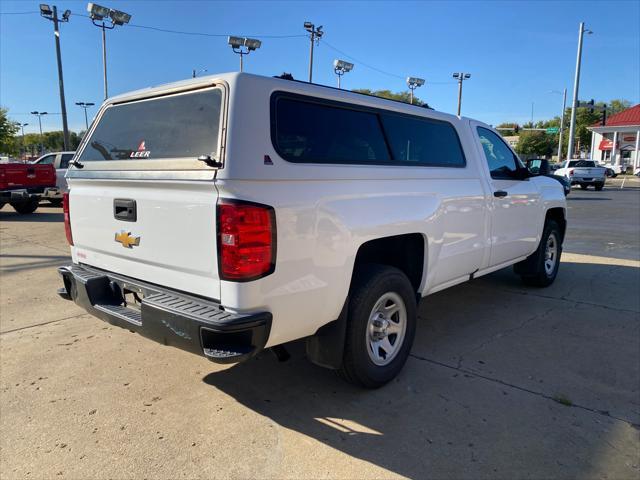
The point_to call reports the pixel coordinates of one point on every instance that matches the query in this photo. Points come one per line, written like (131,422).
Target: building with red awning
(618,141)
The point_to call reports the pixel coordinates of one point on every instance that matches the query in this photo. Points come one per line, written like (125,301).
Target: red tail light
(246,240)
(67,218)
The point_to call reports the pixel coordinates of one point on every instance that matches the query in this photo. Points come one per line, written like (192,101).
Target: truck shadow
(31,262)
(7,214)
(441,417)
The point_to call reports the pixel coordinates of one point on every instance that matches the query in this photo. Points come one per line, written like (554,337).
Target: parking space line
(604,413)
(43,323)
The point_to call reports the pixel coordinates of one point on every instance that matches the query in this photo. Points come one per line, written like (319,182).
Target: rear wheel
(55,202)
(541,268)
(381,325)
(26,207)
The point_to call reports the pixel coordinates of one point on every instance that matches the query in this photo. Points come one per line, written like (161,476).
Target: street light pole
(39,115)
(104,61)
(52,14)
(24,150)
(85,105)
(461,76)
(413,83)
(98,13)
(237,44)
(576,84)
(315,35)
(340,67)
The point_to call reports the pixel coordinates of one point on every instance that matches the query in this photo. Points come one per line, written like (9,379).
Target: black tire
(55,202)
(599,187)
(2,204)
(583,186)
(532,270)
(26,207)
(371,282)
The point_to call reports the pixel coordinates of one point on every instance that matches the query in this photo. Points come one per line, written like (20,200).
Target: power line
(17,13)
(225,35)
(379,70)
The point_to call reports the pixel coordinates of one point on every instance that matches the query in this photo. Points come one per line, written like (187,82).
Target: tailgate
(143,205)
(586,172)
(171,242)
(20,175)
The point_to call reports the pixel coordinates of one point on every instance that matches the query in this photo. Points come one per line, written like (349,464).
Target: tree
(536,143)
(8,130)
(399,96)
(617,105)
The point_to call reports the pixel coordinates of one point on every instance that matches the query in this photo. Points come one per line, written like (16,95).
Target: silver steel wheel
(386,328)
(551,254)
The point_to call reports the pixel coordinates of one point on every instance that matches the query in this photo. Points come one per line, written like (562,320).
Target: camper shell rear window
(184,125)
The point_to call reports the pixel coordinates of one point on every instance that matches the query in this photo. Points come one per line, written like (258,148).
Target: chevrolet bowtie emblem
(127,240)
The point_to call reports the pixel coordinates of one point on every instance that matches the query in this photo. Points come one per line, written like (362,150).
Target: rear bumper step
(190,323)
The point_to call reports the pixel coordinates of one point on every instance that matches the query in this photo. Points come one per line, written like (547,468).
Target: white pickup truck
(583,173)
(229,214)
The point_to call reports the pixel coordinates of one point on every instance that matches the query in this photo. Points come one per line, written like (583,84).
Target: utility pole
(564,107)
(52,14)
(576,84)
(315,36)
(460,76)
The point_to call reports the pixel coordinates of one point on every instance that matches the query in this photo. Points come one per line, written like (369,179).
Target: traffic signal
(591,104)
(604,115)
(516,128)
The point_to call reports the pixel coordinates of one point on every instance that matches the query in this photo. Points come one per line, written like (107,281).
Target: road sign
(552,130)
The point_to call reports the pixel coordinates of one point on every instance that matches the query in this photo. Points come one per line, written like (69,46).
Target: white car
(228,214)
(60,161)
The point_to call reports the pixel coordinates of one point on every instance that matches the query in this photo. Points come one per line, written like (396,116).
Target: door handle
(500,193)
(125,209)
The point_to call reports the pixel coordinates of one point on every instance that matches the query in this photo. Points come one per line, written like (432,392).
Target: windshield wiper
(209,161)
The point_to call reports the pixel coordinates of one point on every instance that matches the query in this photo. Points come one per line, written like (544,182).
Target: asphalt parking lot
(503,381)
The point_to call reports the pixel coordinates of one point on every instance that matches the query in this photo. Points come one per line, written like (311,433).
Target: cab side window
(48,160)
(66,158)
(503,163)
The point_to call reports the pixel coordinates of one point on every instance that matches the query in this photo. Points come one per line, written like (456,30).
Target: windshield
(582,163)
(176,126)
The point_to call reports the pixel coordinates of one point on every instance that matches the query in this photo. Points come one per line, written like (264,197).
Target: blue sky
(515,51)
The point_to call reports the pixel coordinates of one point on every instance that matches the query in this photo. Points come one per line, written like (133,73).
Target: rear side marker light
(67,218)
(246,240)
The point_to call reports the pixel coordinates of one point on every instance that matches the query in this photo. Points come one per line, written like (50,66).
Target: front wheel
(541,267)
(584,186)
(381,325)
(599,187)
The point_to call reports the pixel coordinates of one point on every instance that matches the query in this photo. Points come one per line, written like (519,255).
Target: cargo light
(67,217)
(246,240)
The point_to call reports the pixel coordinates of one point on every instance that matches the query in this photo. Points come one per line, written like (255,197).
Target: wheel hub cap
(386,328)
